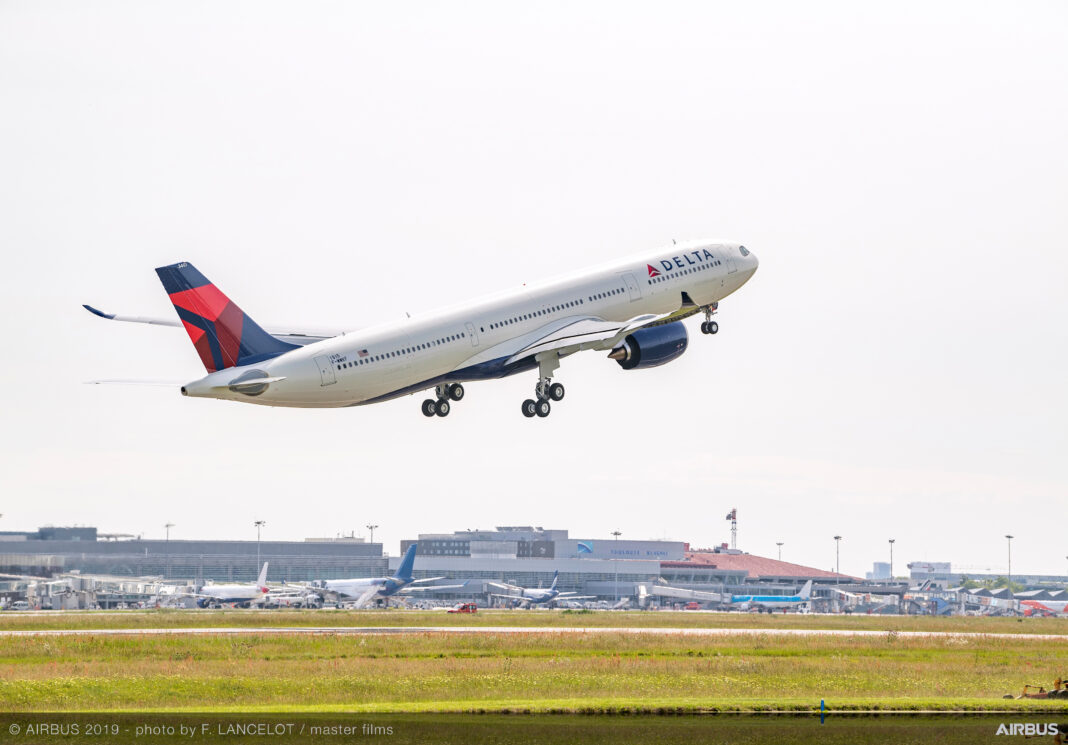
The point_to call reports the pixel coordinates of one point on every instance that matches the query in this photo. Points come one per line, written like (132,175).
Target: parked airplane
(1044,607)
(244,594)
(370,589)
(631,309)
(527,597)
(770,602)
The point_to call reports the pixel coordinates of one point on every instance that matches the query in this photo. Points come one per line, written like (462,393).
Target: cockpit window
(744,250)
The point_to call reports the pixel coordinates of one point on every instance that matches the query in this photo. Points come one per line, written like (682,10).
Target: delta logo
(681,262)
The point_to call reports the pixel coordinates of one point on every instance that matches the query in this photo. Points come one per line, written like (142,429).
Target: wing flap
(586,333)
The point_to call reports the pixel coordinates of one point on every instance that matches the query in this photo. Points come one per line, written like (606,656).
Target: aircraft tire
(556,392)
(713,327)
(441,407)
(429,407)
(704,327)
(542,408)
(529,408)
(456,392)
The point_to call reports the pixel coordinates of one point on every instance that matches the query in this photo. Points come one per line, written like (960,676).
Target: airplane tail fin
(806,591)
(556,576)
(404,571)
(223,335)
(261,581)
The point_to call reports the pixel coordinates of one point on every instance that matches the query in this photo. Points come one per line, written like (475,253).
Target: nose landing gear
(708,326)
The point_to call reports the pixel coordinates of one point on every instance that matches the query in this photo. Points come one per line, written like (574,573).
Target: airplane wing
(427,579)
(574,597)
(591,332)
(299,337)
(503,585)
(429,588)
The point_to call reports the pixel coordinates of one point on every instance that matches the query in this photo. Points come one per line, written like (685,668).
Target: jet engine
(651,347)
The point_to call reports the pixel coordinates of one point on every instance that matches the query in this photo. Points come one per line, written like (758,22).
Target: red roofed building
(757,568)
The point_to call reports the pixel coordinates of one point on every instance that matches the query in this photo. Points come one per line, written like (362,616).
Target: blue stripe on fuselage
(482,371)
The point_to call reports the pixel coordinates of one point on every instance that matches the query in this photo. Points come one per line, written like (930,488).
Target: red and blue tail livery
(223,334)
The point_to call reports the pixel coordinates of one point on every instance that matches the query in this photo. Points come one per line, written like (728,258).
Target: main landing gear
(546,390)
(708,326)
(445,392)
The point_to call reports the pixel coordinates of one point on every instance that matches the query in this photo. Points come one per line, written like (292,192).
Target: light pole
(372,529)
(1008,539)
(615,564)
(891,559)
(259,524)
(779,544)
(167,570)
(837,566)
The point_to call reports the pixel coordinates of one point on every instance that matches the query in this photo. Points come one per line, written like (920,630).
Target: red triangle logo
(653,272)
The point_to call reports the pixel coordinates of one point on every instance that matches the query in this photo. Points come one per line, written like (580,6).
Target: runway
(395,630)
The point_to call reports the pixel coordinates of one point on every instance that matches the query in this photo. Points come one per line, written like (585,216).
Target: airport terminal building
(525,556)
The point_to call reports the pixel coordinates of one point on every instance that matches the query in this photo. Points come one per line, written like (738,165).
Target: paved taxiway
(387,630)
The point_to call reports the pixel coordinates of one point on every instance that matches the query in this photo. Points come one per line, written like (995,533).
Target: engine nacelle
(651,347)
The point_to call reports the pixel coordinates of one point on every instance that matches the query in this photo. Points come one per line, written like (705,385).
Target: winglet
(95,312)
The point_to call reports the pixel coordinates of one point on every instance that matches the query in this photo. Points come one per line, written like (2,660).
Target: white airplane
(630,309)
(369,589)
(527,597)
(244,594)
(770,602)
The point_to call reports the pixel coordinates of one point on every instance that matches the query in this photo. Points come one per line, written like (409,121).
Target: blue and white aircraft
(372,589)
(631,309)
(771,602)
(528,597)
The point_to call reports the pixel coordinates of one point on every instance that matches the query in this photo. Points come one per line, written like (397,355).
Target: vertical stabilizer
(261,581)
(223,335)
(404,571)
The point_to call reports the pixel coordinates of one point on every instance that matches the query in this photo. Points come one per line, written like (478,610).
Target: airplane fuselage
(474,341)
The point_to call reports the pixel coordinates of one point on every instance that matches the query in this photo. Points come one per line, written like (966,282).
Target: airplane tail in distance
(556,576)
(404,571)
(223,335)
(261,581)
(806,591)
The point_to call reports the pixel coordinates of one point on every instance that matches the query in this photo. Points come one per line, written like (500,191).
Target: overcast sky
(895,369)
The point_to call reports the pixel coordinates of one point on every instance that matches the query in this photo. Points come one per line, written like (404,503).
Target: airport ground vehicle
(464,608)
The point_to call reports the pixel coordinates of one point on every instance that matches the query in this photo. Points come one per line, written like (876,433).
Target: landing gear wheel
(456,391)
(429,407)
(556,392)
(704,327)
(542,408)
(713,327)
(441,407)
(529,408)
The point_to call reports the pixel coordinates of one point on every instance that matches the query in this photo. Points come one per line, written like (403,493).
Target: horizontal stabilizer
(131,381)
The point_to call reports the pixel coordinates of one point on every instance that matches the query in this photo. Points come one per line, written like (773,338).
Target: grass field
(251,618)
(519,672)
